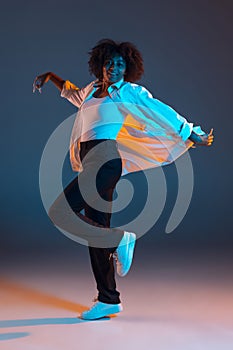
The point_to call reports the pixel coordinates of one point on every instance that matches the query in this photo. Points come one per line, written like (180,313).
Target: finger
(34,83)
(211,131)
(98,83)
(36,79)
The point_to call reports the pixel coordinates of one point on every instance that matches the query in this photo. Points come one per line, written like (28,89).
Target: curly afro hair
(106,48)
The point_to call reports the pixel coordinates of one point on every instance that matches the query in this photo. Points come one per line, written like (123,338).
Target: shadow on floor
(45,321)
(9,336)
(39,321)
(38,297)
(30,295)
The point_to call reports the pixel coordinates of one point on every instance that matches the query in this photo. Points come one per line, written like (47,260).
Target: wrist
(195,138)
(48,77)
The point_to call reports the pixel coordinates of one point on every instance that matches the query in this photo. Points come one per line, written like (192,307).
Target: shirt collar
(116,85)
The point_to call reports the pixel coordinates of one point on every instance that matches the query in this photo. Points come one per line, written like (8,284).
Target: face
(114,69)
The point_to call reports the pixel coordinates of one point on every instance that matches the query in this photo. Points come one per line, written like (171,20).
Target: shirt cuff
(198,131)
(68,88)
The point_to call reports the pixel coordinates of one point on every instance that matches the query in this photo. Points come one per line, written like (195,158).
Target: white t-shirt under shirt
(100,119)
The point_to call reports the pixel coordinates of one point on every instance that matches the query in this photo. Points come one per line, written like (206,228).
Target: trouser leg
(65,211)
(99,248)
(102,260)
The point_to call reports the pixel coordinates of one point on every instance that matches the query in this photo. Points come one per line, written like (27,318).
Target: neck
(105,85)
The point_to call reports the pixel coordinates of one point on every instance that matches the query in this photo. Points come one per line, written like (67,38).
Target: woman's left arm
(168,118)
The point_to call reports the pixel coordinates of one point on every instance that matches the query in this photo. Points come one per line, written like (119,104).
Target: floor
(169,303)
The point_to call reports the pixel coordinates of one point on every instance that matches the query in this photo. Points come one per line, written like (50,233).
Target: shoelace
(95,300)
(115,256)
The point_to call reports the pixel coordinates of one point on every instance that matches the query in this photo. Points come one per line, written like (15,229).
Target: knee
(55,212)
(59,212)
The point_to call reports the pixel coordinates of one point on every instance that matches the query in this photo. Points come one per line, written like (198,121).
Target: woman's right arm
(68,90)
(44,78)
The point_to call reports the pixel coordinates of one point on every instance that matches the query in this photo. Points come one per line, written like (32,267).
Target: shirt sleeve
(165,116)
(73,94)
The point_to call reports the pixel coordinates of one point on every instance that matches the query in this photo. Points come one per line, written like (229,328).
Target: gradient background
(187,49)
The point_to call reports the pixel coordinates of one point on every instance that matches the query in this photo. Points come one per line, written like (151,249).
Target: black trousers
(100,247)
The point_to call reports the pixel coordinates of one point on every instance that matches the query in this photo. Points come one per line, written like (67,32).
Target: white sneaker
(124,253)
(99,310)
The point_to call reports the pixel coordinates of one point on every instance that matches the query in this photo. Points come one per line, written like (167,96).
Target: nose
(112,66)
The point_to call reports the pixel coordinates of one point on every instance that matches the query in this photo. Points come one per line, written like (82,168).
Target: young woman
(115,116)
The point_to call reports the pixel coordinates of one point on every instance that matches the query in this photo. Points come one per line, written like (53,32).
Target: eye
(107,64)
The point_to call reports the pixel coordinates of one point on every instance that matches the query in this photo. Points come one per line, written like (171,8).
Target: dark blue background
(187,49)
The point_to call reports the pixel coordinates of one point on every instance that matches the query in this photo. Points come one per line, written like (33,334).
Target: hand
(98,83)
(205,140)
(40,81)
(103,85)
